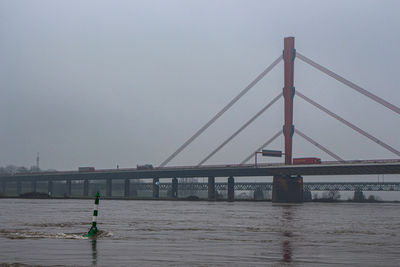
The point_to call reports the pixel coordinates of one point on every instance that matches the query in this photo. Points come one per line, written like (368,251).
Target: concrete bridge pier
(287,189)
(127,188)
(33,186)
(258,194)
(231,189)
(108,187)
(19,187)
(68,185)
(86,187)
(50,188)
(211,188)
(134,191)
(307,195)
(156,188)
(3,187)
(175,188)
(358,195)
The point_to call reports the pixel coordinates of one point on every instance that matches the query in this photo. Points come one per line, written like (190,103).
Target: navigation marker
(93,230)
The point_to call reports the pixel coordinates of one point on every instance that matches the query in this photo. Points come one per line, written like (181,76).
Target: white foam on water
(23,234)
(68,236)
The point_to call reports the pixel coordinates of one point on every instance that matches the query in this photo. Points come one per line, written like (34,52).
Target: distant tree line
(333,196)
(12,169)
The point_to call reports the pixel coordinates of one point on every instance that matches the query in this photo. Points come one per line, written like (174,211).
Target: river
(49,232)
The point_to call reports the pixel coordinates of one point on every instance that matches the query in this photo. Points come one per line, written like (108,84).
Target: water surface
(177,233)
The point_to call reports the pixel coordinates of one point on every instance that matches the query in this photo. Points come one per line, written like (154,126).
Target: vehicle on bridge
(304,161)
(145,167)
(86,169)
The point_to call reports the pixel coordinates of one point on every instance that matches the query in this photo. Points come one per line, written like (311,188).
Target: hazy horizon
(101,83)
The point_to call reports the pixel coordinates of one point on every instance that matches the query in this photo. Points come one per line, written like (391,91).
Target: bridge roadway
(244,170)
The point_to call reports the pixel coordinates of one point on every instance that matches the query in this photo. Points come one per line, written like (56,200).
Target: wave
(27,234)
(62,225)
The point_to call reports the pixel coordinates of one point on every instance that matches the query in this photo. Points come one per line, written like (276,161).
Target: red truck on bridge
(304,161)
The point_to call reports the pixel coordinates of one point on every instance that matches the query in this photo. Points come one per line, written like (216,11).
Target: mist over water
(177,233)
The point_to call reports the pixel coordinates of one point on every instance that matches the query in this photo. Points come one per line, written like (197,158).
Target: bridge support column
(127,188)
(86,187)
(175,188)
(211,188)
(258,194)
(3,187)
(156,188)
(68,185)
(134,191)
(33,186)
(287,189)
(50,188)
(358,195)
(307,195)
(108,187)
(231,189)
(19,187)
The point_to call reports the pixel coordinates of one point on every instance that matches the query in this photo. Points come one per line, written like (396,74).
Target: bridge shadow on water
(287,234)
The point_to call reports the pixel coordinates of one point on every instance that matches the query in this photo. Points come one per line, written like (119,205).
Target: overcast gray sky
(100,83)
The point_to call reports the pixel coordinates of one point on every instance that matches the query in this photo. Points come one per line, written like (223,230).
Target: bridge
(130,178)
(359,167)
(287,178)
(140,189)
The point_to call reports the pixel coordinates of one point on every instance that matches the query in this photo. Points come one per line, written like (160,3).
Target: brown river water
(49,232)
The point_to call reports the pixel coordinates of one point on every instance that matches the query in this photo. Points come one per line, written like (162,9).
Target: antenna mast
(37,161)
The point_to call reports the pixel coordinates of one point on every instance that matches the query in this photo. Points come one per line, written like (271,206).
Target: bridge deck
(327,168)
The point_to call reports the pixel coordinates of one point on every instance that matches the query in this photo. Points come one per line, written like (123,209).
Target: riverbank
(190,198)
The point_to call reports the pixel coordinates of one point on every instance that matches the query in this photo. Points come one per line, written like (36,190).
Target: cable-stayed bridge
(287,176)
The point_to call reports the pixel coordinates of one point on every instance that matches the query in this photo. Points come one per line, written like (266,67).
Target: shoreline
(199,199)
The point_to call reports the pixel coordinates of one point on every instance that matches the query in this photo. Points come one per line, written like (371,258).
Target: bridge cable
(222,111)
(309,139)
(352,126)
(348,83)
(262,146)
(240,129)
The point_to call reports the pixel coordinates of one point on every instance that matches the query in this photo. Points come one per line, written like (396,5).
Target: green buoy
(93,230)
